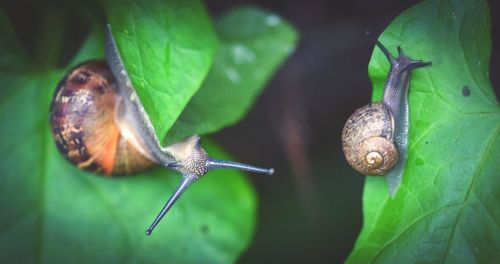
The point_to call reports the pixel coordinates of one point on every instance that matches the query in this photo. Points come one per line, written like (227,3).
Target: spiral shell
(83,123)
(367,140)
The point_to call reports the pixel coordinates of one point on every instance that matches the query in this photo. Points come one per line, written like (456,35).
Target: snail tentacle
(187,180)
(225,164)
(193,162)
(386,52)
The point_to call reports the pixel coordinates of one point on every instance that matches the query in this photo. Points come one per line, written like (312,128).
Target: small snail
(375,137)
(99,125)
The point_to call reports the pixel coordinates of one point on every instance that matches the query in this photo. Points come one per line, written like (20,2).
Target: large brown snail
(100,125)
(375,137)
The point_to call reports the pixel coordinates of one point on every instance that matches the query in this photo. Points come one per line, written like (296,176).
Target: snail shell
(367,140)
(85,127)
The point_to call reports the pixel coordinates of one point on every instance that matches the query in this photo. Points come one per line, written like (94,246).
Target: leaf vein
(416,221)
(433,85)
(117,218)
(469,191)
(490,214)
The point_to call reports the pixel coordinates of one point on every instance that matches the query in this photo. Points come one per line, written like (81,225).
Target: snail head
(192,161)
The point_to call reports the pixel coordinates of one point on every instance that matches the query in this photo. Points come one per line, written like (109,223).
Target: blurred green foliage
(245,60)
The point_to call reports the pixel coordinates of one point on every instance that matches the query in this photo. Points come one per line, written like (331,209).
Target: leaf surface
(448,206)
(167,48)
(253,43)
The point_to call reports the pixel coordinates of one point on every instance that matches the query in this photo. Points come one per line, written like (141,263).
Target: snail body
(375,136)
(100,125)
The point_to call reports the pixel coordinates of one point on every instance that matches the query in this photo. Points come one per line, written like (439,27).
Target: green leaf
(448,206)
(51,212)
(253,43)
(167,48)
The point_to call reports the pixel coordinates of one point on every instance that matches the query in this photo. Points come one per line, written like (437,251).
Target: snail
(100,125)
(375,136)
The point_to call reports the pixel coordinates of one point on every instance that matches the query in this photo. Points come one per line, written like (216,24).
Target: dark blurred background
(310,210)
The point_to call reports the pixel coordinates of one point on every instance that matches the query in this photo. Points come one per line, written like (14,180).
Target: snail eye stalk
(189,178)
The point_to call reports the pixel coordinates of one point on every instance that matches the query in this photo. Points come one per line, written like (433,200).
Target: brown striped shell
(367,140)
(83,122)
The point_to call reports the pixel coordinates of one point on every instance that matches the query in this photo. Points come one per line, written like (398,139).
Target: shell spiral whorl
(375,156)
(367,140)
